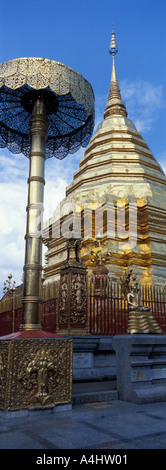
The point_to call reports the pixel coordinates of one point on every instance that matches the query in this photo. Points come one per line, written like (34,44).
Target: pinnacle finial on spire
(113,49)
(115,104)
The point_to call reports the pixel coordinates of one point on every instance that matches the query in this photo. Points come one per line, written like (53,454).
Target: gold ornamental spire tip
(115,104)
(113,49)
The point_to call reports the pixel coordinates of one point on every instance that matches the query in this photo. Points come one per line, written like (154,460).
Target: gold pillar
(33,237)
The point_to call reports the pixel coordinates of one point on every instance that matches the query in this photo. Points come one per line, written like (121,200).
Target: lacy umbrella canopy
(69,102)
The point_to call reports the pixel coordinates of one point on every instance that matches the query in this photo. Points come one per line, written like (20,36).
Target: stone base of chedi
(141,367)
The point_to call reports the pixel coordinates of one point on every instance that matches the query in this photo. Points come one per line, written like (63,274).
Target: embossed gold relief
(4,373)
(78,309)
(35,373)
(63,301)
(45,371)
(73,292)
(1,368)
(73,303)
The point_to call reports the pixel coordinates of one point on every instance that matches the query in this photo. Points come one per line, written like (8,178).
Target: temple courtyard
(103,425)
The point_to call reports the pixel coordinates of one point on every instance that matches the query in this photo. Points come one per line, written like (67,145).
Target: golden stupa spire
(115,104)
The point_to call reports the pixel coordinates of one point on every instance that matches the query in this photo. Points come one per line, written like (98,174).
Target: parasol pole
(33,238)
(41,91)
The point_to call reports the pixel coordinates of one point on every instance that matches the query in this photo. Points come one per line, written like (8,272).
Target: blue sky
(78,35)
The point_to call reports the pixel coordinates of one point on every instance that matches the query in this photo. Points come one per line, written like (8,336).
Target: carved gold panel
(35,373)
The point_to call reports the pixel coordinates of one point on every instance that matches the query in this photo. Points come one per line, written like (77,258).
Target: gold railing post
(13,308)
(33,237)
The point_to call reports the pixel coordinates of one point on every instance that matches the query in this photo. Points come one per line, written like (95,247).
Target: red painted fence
(108,314)
(48,320)
(49,315)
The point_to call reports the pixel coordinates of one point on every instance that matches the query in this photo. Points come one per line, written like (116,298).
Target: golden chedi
(119,190)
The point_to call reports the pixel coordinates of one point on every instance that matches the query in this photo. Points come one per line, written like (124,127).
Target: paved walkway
(103,425)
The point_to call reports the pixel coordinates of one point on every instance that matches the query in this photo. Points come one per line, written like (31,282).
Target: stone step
(88,392)
(93,397)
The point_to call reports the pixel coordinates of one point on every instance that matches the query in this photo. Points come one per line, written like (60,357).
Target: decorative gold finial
(113,49)
(115,104)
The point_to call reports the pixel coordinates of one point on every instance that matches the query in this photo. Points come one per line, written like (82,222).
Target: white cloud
(13,201)
(143,102)
(58,175)
(100,104)
(161,157)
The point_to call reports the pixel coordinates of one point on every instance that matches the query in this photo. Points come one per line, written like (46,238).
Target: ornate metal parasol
(46,109)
